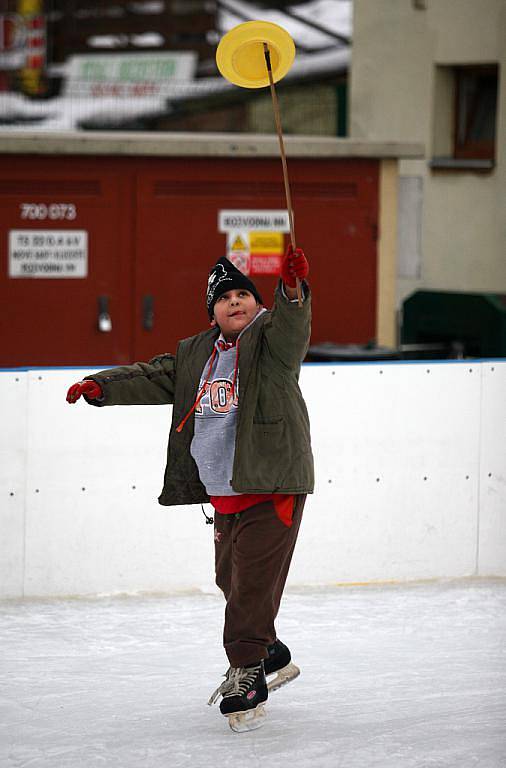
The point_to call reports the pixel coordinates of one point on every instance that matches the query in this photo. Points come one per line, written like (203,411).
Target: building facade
(432,72)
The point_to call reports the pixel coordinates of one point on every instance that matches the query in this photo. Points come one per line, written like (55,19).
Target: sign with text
(48,253)
(249,221)
(265,264)
(129,75)
(266,252)
(12,41)
(255,239)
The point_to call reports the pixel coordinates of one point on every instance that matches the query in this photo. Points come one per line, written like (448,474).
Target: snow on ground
(409,676)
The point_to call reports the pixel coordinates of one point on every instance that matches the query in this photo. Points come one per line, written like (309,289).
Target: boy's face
(233,311)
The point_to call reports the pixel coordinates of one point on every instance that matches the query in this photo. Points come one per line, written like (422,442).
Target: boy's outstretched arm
(150,383)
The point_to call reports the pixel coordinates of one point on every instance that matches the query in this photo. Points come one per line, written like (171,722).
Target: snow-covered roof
(318,54)
(335,15)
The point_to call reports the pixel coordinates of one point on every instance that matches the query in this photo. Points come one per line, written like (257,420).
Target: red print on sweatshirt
(217,398)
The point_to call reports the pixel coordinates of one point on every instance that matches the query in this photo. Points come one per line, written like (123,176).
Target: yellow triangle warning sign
(239,244)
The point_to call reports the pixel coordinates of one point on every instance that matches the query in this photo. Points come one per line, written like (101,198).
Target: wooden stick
(277,119)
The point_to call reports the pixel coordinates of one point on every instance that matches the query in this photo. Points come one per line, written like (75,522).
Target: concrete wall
(397,91)
(411,484)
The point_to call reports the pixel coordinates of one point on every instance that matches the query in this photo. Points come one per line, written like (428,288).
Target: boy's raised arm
(290,327)
(150,383)
(295,265)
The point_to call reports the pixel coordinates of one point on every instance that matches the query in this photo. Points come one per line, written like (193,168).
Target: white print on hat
(214,280)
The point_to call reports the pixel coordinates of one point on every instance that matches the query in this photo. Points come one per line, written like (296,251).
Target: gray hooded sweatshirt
(213,443)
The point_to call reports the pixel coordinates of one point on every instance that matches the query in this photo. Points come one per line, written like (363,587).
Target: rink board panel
(492,533)
(402,453)
(95,524)
(396,450)
(13,437)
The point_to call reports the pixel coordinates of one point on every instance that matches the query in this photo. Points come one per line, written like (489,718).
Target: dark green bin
(476,321)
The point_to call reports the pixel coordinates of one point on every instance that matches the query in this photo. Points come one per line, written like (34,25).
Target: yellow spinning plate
(240,53)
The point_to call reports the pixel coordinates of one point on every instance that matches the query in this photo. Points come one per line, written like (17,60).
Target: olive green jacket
(273,446)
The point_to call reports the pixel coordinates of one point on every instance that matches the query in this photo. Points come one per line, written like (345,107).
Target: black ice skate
(279,663)
(244,692)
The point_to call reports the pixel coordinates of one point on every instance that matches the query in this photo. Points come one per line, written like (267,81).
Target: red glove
(89,388)
(294,265)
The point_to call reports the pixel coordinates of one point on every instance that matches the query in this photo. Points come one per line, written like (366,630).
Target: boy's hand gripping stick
(295,267)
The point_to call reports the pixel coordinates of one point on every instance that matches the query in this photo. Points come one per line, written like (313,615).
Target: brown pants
(253,550)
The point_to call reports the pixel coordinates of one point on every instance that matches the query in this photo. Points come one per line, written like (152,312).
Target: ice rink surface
(410,676)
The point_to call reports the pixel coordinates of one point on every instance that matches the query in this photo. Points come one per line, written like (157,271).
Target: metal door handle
(104,318)
(148,312)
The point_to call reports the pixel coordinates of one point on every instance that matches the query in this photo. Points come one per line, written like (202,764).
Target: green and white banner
(129,75)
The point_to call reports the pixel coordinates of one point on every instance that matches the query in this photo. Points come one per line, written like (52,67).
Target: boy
(239,439)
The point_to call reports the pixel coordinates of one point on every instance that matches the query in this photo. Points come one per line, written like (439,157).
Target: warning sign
(238,250)
(266,252)
(242,261)
(239,243)
(265,264)
(266,242)
(48,253)
(256,244)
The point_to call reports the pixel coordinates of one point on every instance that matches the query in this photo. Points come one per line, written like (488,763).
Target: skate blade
(283,676)
(240,722)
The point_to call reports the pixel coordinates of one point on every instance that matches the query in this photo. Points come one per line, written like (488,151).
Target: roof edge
(199,144)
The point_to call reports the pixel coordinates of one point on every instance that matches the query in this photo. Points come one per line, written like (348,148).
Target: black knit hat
(224,277)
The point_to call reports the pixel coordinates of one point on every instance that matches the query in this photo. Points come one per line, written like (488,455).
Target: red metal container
(149,227)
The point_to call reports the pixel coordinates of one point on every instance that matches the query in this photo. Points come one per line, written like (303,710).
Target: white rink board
(13,438)
(401,490)
(492,534)
(397,449)
(109,537)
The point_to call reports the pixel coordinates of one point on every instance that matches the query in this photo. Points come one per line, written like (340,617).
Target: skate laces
(238,680)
